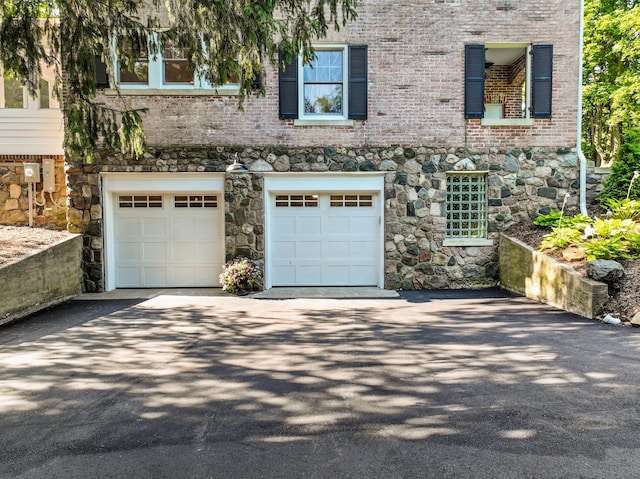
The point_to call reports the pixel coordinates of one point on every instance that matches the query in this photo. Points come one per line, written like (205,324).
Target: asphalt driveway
(430,384)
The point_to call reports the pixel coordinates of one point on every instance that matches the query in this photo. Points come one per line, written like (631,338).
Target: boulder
(605,270)
(636,319)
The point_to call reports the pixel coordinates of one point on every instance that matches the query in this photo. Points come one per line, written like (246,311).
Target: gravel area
(18,241)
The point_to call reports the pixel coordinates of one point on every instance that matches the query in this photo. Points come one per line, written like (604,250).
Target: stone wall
(42,279)
(49,209)
(520,181)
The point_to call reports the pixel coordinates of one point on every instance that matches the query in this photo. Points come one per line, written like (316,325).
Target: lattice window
(466,207)
(196,201)
(351,200)
(140,201)
(297,201)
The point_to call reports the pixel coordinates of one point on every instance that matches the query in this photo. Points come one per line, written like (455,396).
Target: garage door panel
(152,227)
(129,227)
(308,250)
(310,225)
(338,250)
(284,225)
(363,223)
(310,274)
(155,276)
(130,251)
(154,252)
(128,277)
(337,225)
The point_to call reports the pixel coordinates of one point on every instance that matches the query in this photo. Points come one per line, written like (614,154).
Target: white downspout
(583,160)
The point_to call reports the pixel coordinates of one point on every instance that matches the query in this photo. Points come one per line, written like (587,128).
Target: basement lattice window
(466,206)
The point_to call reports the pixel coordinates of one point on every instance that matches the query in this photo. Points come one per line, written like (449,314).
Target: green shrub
(560,238)
(634,243)
(624,209)
(555,218)
(627,161)
(606,248)
(613,227)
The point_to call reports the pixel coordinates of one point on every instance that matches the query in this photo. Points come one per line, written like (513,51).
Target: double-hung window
(331,89)
(508,83)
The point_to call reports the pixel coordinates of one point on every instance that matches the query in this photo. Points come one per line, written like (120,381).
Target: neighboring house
(31,131)
(422,131)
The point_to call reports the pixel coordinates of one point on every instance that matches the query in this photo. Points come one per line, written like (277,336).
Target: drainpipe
(583,160)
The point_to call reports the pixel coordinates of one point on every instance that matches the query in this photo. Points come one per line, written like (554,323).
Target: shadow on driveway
(431,384)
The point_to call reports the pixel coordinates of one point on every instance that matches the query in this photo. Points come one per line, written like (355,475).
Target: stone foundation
(520,182)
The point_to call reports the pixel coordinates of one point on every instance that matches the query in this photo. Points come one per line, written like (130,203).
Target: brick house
(422,131)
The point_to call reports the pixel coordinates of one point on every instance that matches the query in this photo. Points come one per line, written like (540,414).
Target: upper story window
(14,95)
(331,90)
(167,69)
(508,83)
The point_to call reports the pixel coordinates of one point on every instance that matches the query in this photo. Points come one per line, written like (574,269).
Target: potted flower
(241,275)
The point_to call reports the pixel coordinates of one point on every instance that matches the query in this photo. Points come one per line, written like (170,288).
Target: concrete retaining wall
(44,278)
(539,277)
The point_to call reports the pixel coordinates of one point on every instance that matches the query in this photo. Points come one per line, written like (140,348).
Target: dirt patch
(18,241)
(623,304)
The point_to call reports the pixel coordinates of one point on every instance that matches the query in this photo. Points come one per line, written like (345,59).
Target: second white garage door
(325,239)
(168,240)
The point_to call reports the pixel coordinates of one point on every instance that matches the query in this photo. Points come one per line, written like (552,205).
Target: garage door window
(140,201)
(197,201)
(338,201)
(297,201)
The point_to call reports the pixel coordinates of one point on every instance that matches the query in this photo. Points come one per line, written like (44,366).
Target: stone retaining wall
(44,278)
(541,278)
(520,182)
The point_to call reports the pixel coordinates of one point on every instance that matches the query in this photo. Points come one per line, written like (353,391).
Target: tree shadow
(497,373)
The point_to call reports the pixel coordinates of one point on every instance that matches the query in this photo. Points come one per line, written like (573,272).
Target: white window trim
(156,85)
(320,119)
(527,120)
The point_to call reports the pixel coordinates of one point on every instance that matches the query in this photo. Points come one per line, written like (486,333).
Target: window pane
(44,94)
(327,67)
(13,93)
(176,65)
(323,98)
(138,74)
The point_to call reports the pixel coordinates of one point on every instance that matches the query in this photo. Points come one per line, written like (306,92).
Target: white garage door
(325,239)
(168,240)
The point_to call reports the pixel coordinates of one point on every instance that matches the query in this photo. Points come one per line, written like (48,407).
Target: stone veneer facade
(521,182)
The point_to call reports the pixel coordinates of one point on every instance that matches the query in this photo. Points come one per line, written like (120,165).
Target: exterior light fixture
(237,165)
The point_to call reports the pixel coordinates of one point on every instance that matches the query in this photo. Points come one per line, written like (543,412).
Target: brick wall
(416,82)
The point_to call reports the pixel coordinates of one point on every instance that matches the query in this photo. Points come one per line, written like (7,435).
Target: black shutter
(542,88)
(358,82)
(102,78)
(288,86)
(474,81)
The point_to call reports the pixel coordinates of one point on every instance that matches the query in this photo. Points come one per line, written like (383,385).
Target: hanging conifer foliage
(225,39)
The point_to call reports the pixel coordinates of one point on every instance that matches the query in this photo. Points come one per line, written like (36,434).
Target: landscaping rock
(572,253)
(605,270)
(636,319)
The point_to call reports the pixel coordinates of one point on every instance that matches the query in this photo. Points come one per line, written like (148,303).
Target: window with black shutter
(508,84)
(332,87)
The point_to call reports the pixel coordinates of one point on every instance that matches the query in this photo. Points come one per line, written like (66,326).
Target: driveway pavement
(431,384)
